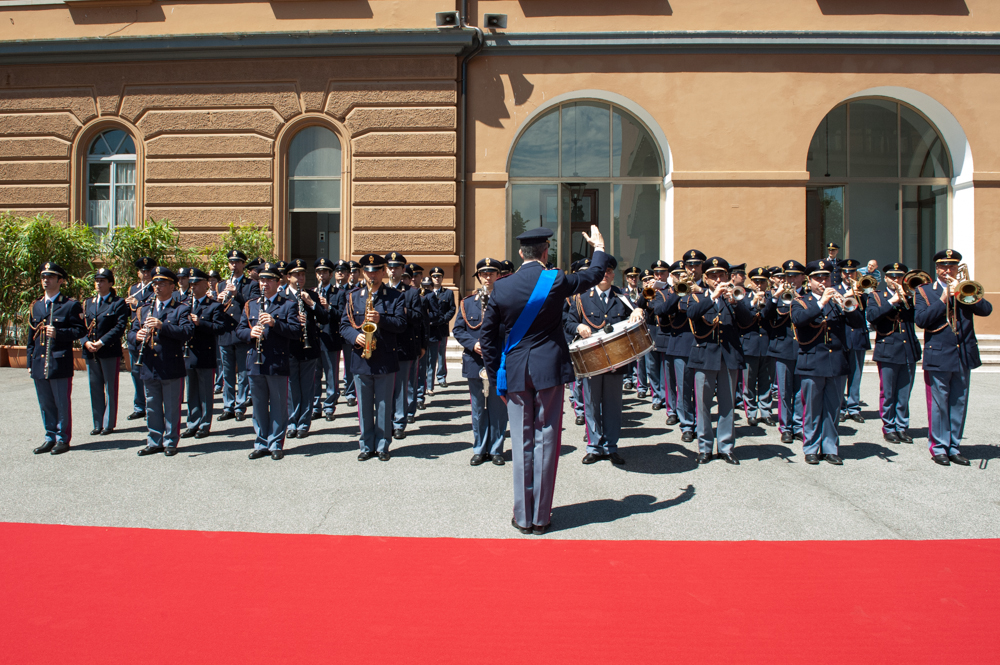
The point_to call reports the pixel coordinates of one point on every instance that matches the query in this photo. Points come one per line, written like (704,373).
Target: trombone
(915,279)
(968,291)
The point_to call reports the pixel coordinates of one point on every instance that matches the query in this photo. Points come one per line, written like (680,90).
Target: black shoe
(786,437)
(364,457)
(941,459)
(421,406)
(891,437)
(217,391)
(443,384)
(752,422)
(95,431)
(956,459)
(580,420)
(627,387)
(277,454)
(769,421)
(729,459)
(477,460)
(398,434)
(904,437)
(135,415)
(383,457)
(842,418)
(856,417)
(812,459)
(410,420)
(64,447)
(291,434)
(590,458)
(498,460)
(171,451)
(834,460)
(641,394)
(351,401)
(225,415)
(202,433)
(150,450)
(616,458)
(522,529)
(241,416)
(672,419)
(45,448)
(316,414)
(704,458)
(329,416)
(687,437)
(188,433)
(657,407)
(540,529)
(257,453)
(107,430)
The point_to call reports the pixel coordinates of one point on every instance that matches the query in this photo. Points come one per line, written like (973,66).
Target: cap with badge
(255,264)
(372,262)
(488,265)
(50,268)
(322,263)
(759,273)
(660,265)
(793,267)
(848,264)
(677,266)
(214,274)
(776,271)
(437,271)
(295,265)
(236,255)
(414,268)
(896,269)
(406,270)
(716,264)
(820,267)
(535,236)
(610,264)
(632,271)
(647,274)
(738,269)
(282,267)
(342,266)
(947,256)
(164,274)
(145,263)
(183,273)
(105,273)
(694,257)
(395,260)
(269,270)
(354,265)
(198,275)
(426,283)
(832,245)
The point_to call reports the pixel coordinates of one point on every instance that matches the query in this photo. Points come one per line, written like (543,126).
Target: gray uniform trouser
(438,361)
(669,379)
(684,385)
(411,388)
(855,369)
(895,385)
(401,394)
(947,403)
(139,401)
(201,398)
(236,383)
(576,396)
(757,387)
(163,411)
(375,410)
(422,375)
(301,384)
(789,406)
(350,389)
(535,433)
(270,410)
(219,382)
(709,383)
(654,368)
(103,376)
(54,401)
(489,419)
(821,397)
(326,401)
(602,398)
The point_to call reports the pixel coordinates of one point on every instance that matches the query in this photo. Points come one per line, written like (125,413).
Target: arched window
(314,174)
(880,185)
(111,181)
(583,163)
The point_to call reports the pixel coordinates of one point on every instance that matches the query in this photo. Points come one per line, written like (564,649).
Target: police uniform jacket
(440,310)
(895,337)
(822,336)
(67,318)
(543,353)
(715,326)
(388,303)
(670,316)
(203,344)
(335,296)
(411,339)
(467,329)
(163,357)
(246,291)
(274,344)
(858,338)
(183,297)
(590,310)
(753,336)
(316,318)
(105,323)
(777,322)
(945,349)
(657,322)
(143,296)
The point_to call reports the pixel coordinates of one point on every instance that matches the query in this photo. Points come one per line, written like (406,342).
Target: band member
(654,366)
(268,325)
(252,269)
(332,294)
(407,344)
(576,385)
(678,380)
(139,293)
(951,352)
(440,304)
(55,322)
(716,316)
(489,414)
(160,332)
(784,349)
(426,286)
(832,250)
(373,354)
(354,282)
(757,370)
(183,292)
(304,350)
(283,271)
(237,291)
(890,313)
(858,343)
(631,292)
(533,365)
(642,374)
(413,388)
(821,329)
(214,278)
(591,312)
(202,354)
(105,317)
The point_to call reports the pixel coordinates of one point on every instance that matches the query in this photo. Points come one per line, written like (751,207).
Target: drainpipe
(463,9)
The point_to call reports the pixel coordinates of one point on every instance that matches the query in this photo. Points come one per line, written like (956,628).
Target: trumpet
(865,284)
(369,328)
(914,279)
(738,292)
(787,295)
(968,291)
(683,285)
(648,292)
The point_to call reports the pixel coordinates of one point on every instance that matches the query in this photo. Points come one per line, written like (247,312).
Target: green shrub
(252,240)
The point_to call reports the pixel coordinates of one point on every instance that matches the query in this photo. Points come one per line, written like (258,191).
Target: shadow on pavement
(763,451)
(857,450)
(658,458)
(602,511)
(106,443)
(320,447)
(429,450)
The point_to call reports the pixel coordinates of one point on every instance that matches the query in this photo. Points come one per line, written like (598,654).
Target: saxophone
(369,328)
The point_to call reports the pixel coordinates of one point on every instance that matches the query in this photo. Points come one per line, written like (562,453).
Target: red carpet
(95,595)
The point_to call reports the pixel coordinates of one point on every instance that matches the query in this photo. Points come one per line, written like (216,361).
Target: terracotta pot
(79,364)
(17,356)
(4,362)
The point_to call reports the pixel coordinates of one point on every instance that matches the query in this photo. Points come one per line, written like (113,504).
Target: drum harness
(604,325)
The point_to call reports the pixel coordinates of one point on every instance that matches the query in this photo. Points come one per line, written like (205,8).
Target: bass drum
(607,351)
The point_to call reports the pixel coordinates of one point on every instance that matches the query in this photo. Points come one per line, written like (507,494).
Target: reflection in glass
(635,238)
(315,151)
(537,151)
(874,232)
(828,148)
(111,180)
(586,140)
(925,228)
(311,194)
(633,152)
(533,206)
(922,152)
(873,139)
(584,204)
(824,220)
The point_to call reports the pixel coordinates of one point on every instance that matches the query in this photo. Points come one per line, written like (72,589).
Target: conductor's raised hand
(595,239)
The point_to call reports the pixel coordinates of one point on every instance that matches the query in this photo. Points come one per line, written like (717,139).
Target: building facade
(758,131)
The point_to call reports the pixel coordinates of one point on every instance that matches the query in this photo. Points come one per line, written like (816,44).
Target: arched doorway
(314,175)
(880,184)
(583,162)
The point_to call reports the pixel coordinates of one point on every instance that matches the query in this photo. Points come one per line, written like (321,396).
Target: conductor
(532,365)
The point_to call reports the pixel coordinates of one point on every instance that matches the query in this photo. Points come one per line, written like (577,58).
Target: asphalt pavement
(428,488)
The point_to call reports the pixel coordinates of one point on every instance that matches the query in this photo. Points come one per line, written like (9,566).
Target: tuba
(968,292)
(369,328)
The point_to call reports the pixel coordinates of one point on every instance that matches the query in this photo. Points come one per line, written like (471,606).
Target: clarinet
(305,326)
(187,344)
(261,304)
(142,344)
(48,341)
